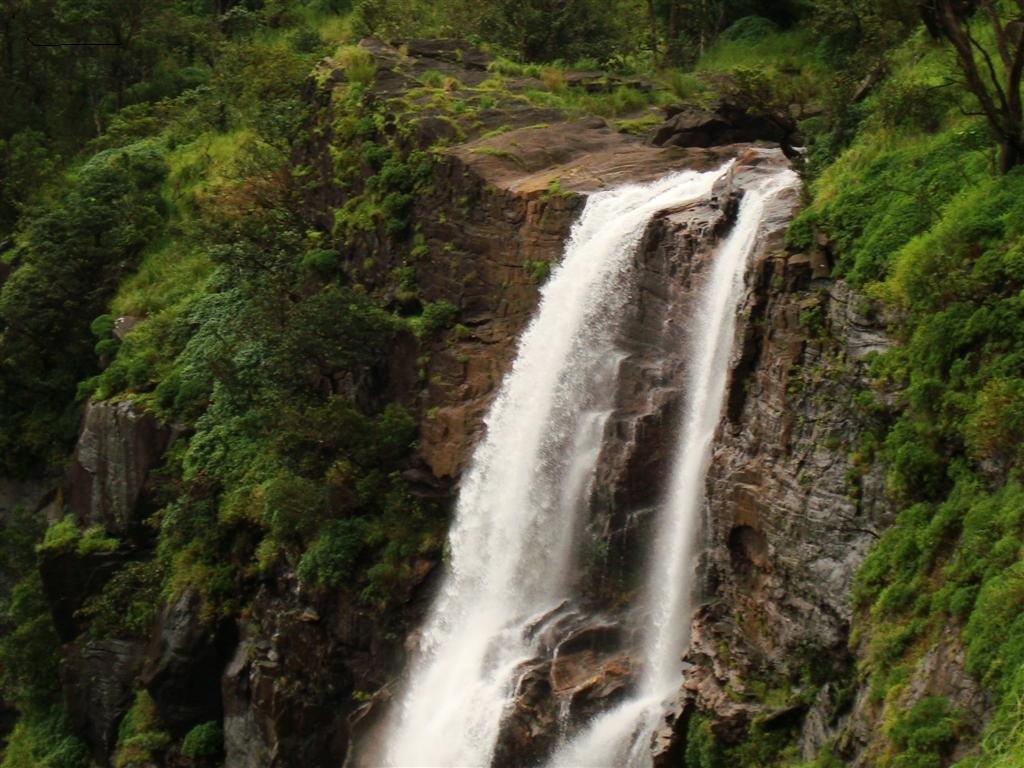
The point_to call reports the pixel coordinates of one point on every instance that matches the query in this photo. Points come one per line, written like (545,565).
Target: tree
(993,79)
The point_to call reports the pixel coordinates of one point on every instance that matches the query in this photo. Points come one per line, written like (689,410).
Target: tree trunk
(652,20)
(673,32)
(1011,153)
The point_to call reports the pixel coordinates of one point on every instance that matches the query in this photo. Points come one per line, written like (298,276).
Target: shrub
(329,561)
(925,734)
(749,29)
(437,315)
(357,63)
(206,740)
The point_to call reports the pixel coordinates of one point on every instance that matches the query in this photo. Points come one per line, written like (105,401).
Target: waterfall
(512,540)
(621,737)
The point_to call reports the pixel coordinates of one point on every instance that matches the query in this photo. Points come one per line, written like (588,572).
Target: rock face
(788,518)
(494,218)
(116,448)
(184,662)
(105,488)
(71,577)
(780,550)
(98,678)
(287,691)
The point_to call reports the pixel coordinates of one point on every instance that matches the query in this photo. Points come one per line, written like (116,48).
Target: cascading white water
(515,524)
(621,737)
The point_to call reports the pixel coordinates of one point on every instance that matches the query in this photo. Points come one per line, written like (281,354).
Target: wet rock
(668,743)
(117,447)
(787,520)
(587,666)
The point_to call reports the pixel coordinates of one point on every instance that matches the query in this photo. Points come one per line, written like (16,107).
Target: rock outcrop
(105,491)
(117,447)
(789,515)
(183,664)
(98,677)
(724,124)
(500,205)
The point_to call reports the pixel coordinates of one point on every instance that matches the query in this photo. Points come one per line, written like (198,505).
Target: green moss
(539,271)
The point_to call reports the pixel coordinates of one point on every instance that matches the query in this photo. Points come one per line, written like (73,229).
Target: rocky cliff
(790,511)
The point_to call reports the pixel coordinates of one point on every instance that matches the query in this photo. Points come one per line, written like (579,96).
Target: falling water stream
(621,737)
(516,522)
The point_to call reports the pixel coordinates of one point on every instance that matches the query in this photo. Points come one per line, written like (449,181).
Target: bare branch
(1000,32)
(953,31)
(990,66)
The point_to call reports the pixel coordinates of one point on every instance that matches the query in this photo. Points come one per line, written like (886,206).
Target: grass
(358,64)
(173,269)
(792,50)
(202,164)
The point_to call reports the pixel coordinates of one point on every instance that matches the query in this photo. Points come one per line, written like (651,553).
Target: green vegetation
(140,740)
(918,216)
(29,657)
(206,740)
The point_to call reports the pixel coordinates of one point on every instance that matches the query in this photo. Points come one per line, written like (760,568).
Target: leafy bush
(437,316)
(749,29)
(69,259)
(330,559)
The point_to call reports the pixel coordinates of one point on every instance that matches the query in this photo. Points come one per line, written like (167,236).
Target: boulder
(584,666)
(117,446)
(452,51)
(124,325)
(724,124)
